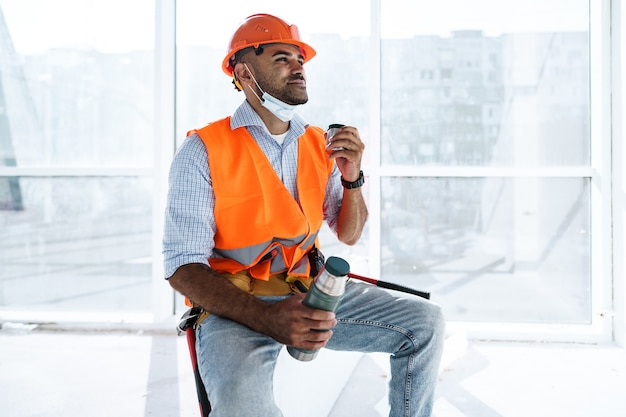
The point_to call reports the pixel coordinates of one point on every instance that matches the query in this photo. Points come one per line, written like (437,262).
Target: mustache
(297,77)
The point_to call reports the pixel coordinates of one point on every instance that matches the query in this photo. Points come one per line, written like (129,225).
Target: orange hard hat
(261,29)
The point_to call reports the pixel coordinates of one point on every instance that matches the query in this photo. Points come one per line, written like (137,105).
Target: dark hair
(238,57)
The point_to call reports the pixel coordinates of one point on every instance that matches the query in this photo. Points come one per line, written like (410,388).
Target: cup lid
(337,266)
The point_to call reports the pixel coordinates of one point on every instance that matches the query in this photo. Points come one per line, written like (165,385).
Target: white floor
(69,374)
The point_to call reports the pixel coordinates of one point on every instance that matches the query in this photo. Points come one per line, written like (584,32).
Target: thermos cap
(337,266)
(335,126)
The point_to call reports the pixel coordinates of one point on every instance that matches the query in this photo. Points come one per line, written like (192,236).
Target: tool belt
(276,285)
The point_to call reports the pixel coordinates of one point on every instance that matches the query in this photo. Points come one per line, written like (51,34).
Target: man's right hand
(292,323)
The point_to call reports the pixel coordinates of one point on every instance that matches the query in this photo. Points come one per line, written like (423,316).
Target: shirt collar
(246,116)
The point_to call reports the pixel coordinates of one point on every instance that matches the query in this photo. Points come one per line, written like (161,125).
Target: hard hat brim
(307,52)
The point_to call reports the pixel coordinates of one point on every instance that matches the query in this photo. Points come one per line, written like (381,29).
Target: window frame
(601,328)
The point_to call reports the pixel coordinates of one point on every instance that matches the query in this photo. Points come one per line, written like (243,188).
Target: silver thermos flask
(326,292)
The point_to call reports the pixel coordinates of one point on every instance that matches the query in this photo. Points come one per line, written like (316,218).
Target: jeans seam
(409,383)
(409,335)
(398,329)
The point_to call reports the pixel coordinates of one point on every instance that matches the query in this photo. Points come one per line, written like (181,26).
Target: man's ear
(242,75)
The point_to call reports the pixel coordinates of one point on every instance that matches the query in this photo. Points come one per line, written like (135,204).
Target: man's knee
(429,324)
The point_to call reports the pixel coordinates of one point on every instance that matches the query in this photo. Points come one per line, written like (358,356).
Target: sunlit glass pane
(492,249)
(80,244)
(492,84)
(76,88)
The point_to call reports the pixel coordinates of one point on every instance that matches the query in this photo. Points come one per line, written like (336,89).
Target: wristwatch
(355,184)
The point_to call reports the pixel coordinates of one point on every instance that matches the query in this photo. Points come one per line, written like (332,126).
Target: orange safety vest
(261,228)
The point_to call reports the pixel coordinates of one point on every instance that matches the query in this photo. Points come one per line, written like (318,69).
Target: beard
(283,91)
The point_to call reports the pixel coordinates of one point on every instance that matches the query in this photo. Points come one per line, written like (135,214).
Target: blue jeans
(237,364)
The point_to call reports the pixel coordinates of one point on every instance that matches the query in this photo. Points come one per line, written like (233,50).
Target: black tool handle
(396,287)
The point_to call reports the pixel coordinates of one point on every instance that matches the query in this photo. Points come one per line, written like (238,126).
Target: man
(248,196)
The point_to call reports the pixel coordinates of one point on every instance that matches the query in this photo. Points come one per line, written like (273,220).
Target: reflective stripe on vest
(260,226)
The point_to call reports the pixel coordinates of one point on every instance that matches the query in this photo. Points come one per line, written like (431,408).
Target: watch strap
(354,184)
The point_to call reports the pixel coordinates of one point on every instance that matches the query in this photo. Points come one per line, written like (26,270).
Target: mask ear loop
(257,84)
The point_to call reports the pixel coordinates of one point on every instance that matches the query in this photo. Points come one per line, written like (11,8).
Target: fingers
(294,324)
(324,323)
(312,334)
(347,139)
(314,339)
(347,149)
(311,338)
(300,326)
(315,331)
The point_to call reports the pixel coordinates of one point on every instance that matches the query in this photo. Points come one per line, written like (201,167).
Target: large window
(76,127)
(488,115)
(486,125)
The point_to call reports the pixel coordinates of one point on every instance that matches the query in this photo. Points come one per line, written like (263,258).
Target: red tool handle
(390,286)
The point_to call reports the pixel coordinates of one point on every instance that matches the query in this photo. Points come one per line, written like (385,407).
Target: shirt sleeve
(189,221)
(333,198)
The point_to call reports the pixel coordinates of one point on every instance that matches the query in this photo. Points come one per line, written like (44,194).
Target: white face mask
(278,108)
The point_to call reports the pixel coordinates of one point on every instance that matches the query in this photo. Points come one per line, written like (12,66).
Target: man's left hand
(347,149)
